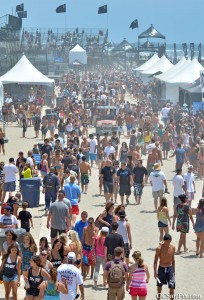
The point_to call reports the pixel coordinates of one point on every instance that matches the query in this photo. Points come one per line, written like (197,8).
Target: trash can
(30,188)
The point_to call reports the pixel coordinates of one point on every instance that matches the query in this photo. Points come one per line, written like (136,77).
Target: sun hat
(105,229)
(71,256)
(157,167)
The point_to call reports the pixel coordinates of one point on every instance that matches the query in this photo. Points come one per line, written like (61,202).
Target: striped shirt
(138,279)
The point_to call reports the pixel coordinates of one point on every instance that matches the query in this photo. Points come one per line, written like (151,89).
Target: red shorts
(141,292)
(75,210)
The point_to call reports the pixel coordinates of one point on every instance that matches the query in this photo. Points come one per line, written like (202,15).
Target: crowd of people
(128,159)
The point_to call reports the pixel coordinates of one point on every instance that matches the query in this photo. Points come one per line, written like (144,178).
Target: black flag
(175,55)
(199,53)
(103,9)
(20,7)
(61,9)
(192,50)
(22,14)
(134,24)
(185,49)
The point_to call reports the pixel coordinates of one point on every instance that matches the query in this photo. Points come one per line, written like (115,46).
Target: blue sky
(179,20)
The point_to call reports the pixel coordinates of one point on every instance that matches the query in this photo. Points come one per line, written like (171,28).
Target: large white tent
(164,76)
(77,55)
(161,65)
(147,64)
(25,73)
(186,75)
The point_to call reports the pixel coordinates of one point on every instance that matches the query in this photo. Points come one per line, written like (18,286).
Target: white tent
(182,62)
(161,65)
(186,75)
(25,73)
(147,64)
(78,54)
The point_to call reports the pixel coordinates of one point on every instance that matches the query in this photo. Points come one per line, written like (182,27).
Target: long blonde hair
(33,246)
(75,238)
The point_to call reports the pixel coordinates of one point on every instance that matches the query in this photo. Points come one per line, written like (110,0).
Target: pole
(138,44)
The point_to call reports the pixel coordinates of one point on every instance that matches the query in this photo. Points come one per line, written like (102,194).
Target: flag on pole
(134,24)
(192,50)
(22,14)
(199,53)
(175,55)
(103,9)
(185,51)
(61,9)
(20,7)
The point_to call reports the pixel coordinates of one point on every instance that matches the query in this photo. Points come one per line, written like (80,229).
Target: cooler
(30,188)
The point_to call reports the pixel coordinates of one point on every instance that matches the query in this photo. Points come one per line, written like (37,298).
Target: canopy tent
(190,94)
(182,62)
(162,65)
(123,46)
(77,54)
(186,75)
(151,32)
(25,73)
(147,64)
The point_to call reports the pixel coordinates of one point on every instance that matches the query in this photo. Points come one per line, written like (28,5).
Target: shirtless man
(129,123)
(104,141)
(85,170)
(166,143)
(85,146)
(134,154)
(166,271)
(87,242)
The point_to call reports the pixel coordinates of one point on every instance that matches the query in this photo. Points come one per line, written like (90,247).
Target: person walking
(73,278)
(51,186)
(112,241)
(100,252)
(9,172)
(138,278)
(140,176)
(165,274)
(180,154)
(116,275)
(199,227)
(93,148)
(53,287)
(107,177)
(58,219)
(125,181)
(80,224)
(125,231)
(163,218)
(182,215)
(158,182)
(73,193)
(178,184)
(85,171)
(189,184)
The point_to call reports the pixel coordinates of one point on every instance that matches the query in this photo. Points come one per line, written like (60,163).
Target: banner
(197,106)
(20,7)
(192,50)
(22,14)
(185,49)
(175,55)
(61,9)
(199,53)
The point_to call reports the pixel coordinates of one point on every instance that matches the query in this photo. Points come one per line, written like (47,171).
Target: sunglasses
(43,254)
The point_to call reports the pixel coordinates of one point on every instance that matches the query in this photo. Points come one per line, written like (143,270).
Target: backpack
(116,275)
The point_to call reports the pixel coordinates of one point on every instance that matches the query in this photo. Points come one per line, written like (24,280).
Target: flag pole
(107,20)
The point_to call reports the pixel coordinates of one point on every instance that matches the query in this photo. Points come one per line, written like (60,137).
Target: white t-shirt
(108,150)
(93,144)
(157,178)
(178,183)
(150,147)
(73,277)
(61,142)
(165,112)
(189,179)
(10,172)
(8,220)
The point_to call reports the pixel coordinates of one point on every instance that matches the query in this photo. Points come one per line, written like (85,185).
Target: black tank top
(34,281)
(55,262)
(10,269)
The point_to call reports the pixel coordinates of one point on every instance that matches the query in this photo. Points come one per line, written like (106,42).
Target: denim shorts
(10,186)
(9,279)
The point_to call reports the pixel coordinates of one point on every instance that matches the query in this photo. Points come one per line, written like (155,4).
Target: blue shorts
(10,186)
(129,127)
(92,156)
(166,275)
(161,224)
(9,279)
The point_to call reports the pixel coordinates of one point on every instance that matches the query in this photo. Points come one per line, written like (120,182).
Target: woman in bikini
(57,163)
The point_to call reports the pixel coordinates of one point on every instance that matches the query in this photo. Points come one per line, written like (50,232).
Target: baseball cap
(122,213)
(8,208)
(105,229)
(167,237)
(190,167)
(71,256)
